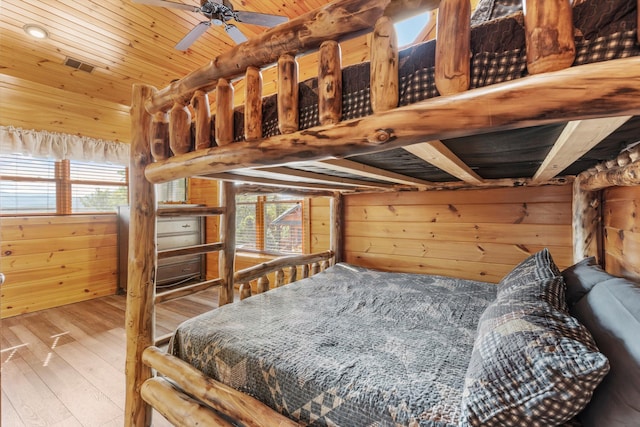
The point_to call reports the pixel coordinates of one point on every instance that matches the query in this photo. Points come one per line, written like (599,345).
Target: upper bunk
(526,99)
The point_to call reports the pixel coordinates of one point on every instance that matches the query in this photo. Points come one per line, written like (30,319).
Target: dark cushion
(581,277)
(611,311)
(488,10)
(532,363)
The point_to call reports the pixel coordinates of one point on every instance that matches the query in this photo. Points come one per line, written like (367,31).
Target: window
(172,192)
(27,185)
(269,223)
(38,186)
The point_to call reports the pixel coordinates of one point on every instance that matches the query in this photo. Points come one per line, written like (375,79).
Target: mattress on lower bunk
(349,346)
(604,30)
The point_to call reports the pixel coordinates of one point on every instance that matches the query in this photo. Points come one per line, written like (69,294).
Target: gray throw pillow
(532,363)
(581,277)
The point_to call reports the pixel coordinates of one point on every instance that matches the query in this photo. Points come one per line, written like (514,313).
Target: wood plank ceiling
(125,42)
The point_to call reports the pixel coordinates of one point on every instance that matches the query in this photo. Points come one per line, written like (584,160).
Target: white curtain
(62,146)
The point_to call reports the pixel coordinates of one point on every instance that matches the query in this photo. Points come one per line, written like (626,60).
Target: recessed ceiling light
(35,31)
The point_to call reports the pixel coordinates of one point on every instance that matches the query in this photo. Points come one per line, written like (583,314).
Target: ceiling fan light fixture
(36,31)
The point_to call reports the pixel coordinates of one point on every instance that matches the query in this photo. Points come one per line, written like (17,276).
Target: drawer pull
(186,226)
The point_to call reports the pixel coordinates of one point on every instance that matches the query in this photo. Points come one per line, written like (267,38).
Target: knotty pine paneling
(621,217)
(472,234)
(319,227)
(55,260)
(205,192)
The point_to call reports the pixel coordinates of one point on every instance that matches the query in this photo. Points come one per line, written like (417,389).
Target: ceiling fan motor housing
(217,11)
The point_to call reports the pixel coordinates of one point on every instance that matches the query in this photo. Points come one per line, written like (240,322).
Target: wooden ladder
(225,245)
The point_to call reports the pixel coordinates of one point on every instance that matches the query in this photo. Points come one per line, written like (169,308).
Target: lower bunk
(352,346)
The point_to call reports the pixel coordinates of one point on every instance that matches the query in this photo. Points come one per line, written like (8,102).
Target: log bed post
(384,85)
(337,227)
(588,238)
(160,136)
(453,47)
(253,104)
(330,83)
(226,257)
(142,262)
(224,113)
(200,104)
(287,94)
(549,35)
(180,129)
(587,222)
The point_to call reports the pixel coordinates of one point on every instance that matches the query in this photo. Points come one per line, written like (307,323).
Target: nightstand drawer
(178,225)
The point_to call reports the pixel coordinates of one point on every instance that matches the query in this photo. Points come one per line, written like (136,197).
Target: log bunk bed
(558,85)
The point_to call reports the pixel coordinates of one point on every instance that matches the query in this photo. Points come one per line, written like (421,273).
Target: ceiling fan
(218,12)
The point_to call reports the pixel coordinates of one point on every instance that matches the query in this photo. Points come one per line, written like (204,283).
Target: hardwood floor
(65,366)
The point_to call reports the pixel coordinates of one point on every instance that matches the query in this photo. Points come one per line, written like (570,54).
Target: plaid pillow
(534,279)
(532,363)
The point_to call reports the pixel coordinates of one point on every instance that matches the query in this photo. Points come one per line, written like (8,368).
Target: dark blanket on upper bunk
(604,30)
(349,346)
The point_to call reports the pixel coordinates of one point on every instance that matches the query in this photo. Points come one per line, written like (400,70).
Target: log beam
(608,89)
(628,175)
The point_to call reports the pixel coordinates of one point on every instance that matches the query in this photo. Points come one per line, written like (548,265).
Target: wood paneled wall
(621,218)
(472,234)
(54,260)
(205,192)
(320,228)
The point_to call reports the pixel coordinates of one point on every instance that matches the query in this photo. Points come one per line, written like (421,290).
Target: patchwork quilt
(349,346)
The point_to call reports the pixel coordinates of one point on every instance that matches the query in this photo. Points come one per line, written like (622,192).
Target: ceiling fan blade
(262,19)
(193,35)
(164,3)
(235,33)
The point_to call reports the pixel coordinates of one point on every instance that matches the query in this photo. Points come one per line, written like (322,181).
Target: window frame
(63,189)
(261,228)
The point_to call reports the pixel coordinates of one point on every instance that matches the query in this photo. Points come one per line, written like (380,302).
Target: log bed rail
(309,265)
(161,123)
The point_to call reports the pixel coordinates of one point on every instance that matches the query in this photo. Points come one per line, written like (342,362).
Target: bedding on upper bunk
(604,30)
(353,347)
(349,346)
